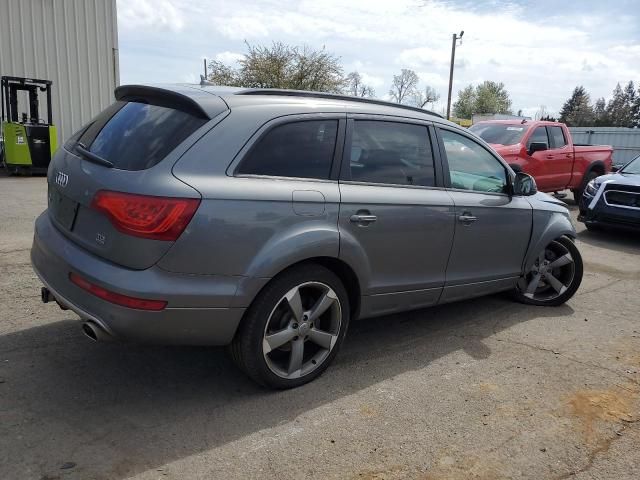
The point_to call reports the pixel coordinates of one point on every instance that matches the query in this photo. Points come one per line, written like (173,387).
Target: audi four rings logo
(62,179)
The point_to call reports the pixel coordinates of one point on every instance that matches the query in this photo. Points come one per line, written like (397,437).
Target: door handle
(363,219)
(550,156)
(467,218)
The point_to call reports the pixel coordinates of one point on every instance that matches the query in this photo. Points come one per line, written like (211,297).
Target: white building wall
(73,43)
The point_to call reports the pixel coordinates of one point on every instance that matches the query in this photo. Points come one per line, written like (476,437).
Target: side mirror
(616,168)
(524,185)
(537,147)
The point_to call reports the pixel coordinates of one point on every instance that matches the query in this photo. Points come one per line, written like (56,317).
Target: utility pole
(455,39)
(205,68)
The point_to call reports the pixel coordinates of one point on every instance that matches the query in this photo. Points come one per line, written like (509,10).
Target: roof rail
(331,96)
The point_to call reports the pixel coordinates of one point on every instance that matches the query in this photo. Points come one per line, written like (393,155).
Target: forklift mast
(10,88)
(28,141)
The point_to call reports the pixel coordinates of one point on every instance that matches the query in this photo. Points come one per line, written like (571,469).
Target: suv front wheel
(554,277)
(294,328)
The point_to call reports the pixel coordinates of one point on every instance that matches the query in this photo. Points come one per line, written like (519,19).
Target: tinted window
(499,133)
(471,167)
(539,136)
(389,152)
(136,136)
(298,149)
(557,137)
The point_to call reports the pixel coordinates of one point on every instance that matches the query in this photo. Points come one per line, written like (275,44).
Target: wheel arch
(555,225)
(340,268)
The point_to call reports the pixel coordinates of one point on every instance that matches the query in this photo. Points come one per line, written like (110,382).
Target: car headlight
(591,188)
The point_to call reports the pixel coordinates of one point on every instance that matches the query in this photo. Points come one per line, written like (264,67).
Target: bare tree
(422,98)
(404,86)
(282,66)
(542,112)
(356,88)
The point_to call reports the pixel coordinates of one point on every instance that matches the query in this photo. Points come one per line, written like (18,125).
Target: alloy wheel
(551,274)
(302,330)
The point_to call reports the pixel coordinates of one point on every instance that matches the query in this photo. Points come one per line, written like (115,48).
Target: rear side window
(557,137)
(391,152)
(298,149)
(136,136)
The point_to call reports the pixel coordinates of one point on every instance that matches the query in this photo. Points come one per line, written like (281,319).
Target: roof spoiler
(205,106)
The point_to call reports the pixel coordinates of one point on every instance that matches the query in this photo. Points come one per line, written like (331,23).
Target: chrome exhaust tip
(95,332)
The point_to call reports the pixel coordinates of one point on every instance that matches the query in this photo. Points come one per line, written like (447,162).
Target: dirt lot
(481,389)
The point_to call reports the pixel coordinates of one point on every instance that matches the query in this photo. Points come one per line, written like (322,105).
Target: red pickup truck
(546,151)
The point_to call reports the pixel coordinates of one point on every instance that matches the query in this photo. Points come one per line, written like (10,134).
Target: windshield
(632,167)
(499,134)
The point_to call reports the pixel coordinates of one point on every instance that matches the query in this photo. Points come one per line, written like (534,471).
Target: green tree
(465,105)
(631,101)
(636,109)
(577,110)
(600,117)
(488,97)
(357,88)
(403,87)
(618,109)
(282,66)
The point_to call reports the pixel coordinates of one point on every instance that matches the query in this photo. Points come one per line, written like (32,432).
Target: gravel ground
(482,389)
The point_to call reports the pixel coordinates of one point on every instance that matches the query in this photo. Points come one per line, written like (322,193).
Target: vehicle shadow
(119,409)
(620,240)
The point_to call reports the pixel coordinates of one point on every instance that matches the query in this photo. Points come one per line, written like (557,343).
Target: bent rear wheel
(554,277)
(294,328)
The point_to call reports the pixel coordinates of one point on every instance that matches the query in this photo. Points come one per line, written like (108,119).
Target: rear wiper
(92,157)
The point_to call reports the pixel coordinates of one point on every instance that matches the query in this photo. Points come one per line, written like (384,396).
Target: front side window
(539,136)
(392,153)
(471,167)
(557,137)
(299,149)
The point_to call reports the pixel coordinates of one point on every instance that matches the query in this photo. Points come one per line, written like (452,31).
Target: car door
(559,158)
(551,167)
(492,228)
(396,221)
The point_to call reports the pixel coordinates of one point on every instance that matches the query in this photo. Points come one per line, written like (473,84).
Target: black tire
(247,346)
(577,193)
(571,289)
(592,227)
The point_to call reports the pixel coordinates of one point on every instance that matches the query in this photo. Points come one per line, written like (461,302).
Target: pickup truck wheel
(577,193)
(294,328)
(554,277)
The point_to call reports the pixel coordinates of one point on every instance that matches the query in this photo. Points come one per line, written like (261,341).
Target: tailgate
(137,142)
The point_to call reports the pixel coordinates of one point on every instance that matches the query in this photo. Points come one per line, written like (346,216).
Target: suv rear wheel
(294,328)
(554,277)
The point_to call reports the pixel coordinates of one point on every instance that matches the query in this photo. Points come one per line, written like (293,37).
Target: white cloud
(540,59)
(150,14)
(228,57)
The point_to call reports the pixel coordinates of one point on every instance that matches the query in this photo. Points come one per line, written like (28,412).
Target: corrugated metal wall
(74,43)
(625,141)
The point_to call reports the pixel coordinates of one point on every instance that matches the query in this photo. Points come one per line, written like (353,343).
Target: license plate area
(63,208)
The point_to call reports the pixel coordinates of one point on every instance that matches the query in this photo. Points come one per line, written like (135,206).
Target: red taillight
(118,299)
(158,218)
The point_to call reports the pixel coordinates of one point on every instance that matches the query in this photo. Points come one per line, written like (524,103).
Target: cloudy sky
(540,49)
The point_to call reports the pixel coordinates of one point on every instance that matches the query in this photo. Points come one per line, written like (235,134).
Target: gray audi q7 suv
(267,220)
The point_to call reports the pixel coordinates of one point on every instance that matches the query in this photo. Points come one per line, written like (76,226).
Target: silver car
(267,220)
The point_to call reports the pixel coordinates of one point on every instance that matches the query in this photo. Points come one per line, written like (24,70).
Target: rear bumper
(201,309)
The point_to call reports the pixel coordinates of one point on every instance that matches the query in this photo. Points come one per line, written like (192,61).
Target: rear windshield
(499,134)
(136,136)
